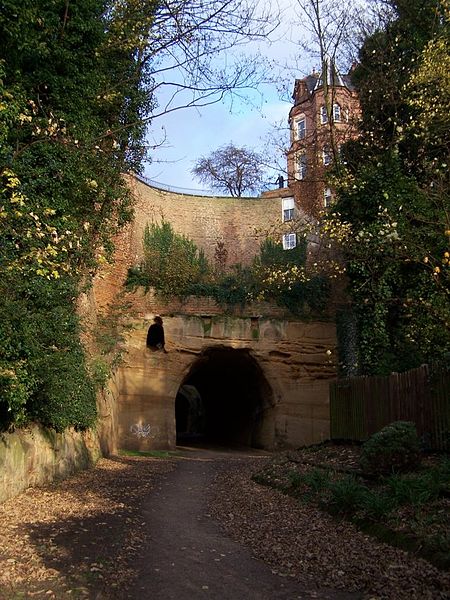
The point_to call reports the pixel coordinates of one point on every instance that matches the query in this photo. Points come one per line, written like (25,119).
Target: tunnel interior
(224,399)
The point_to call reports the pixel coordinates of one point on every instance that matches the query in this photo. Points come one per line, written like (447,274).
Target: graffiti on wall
(142,430)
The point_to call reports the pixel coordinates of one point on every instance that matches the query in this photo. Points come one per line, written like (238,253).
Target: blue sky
(191,133)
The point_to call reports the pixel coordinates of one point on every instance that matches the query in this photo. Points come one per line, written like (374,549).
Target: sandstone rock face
(284,366)
(262,375)
(36,456)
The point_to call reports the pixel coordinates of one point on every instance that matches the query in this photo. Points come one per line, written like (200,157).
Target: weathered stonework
(296,360)
(236,222)
(36,456)
(292,355)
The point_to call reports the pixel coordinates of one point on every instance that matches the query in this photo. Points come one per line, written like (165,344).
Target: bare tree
(329,26)
(231,169)
(187,52)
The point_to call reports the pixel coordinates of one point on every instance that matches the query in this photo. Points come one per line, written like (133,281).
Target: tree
(231,169)
(188,52)
(68,132)
(392,197)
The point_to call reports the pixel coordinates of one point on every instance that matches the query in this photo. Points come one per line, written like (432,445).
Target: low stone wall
(36,456)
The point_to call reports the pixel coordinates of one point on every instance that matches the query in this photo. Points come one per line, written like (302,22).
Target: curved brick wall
(297,358)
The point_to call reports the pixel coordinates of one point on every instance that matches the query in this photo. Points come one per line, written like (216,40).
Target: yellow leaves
(23,118)
(92,184)
(429,87)
(336,229)
(36,244)
(17,198)
(12,181)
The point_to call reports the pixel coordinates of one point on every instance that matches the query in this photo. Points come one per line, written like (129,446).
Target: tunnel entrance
(225,399)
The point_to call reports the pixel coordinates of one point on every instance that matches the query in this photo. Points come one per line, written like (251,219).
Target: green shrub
(393,449)
(376,504)
(415,489)
(175,267)
(317,480)
(346,496)
(15,389)
(273,254)
(43,374)
(172,262)
(295,480)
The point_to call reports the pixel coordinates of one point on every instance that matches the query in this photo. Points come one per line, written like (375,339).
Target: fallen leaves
(299,540)
(77,533)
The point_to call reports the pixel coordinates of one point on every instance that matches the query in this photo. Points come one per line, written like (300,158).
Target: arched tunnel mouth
(224,399)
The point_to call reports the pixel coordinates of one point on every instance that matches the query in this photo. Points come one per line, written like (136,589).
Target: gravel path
(188,556)
(138,528)
(300,541)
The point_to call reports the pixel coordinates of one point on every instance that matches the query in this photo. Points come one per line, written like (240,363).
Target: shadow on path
(188,557)
(139,529)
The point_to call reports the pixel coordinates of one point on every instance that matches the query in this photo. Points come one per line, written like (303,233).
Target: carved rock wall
(292,355)
(297,358)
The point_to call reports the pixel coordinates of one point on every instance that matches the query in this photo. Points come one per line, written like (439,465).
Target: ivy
(72,98)
(43,374)
(392,213)
(175,267)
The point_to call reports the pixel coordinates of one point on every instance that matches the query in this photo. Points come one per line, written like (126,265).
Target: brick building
(324,116)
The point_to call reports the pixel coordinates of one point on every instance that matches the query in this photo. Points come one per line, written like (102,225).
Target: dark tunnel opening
(224,399)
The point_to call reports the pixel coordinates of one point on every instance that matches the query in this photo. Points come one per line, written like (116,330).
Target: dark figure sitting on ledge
(155,335)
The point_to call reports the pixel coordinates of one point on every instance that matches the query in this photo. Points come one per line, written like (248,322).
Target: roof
(315,81)
(333,76)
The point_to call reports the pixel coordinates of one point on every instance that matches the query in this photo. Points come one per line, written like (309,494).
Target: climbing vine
(174,267)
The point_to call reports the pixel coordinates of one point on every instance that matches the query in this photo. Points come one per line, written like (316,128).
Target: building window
(327,197)
(323,115)
(289,241)
(301,166)
(301,128)
(288,209)
(336,113)
(326,155)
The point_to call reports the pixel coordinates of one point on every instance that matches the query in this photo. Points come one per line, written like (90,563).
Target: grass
(410,510)
(151,453)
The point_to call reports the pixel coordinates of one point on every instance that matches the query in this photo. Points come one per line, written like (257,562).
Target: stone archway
(225,398)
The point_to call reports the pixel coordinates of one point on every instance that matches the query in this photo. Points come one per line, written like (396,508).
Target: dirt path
(142,528)
(188,557)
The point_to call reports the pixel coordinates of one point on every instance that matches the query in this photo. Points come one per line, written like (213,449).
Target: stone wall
(36,456)
(297,360)
(236,222)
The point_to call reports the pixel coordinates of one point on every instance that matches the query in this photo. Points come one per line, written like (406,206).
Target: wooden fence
(361,406)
